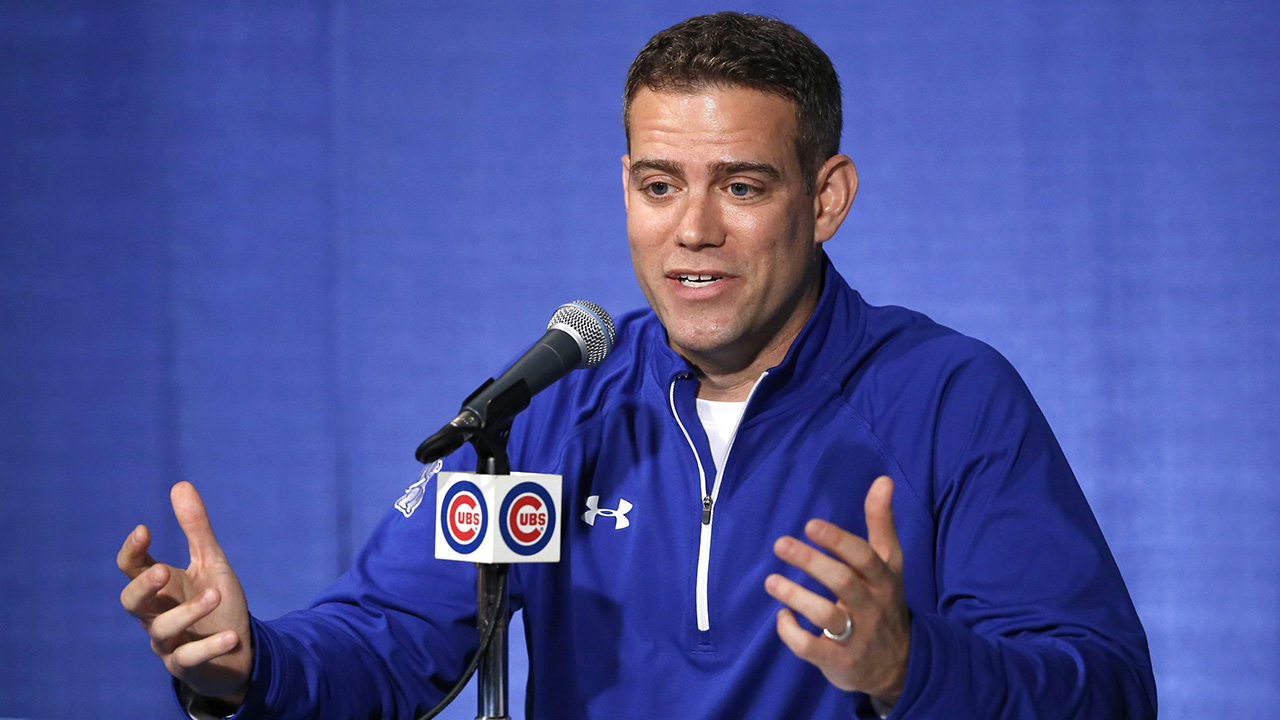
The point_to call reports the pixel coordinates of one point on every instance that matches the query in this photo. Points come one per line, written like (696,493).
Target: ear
(835,187)
(626,182)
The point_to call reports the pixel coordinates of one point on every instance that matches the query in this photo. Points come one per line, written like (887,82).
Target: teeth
(696,280)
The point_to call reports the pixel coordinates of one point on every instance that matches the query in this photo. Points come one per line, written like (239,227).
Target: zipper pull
(706,510)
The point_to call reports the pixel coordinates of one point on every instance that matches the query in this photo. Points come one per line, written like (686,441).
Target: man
(761,399)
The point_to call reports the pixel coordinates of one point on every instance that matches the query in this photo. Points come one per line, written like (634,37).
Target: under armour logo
(619,515)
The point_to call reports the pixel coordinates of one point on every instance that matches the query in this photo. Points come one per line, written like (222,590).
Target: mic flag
(494,519)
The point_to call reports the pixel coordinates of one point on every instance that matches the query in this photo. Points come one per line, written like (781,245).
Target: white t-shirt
(720,419)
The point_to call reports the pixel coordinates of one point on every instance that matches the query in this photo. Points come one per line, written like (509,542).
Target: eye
(741,190)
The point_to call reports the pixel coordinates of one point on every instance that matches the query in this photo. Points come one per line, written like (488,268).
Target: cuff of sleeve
(938,659)
(916,687)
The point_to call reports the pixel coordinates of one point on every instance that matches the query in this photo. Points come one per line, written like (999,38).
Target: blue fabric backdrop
(266,247)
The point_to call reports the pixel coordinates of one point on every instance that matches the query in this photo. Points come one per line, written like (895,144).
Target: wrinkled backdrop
(267,247)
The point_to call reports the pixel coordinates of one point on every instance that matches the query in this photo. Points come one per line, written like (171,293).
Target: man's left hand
(866,578)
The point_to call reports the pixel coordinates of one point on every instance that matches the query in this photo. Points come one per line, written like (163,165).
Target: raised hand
(865,576)
(197,618)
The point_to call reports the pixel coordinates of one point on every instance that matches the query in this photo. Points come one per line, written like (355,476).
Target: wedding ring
(848,629)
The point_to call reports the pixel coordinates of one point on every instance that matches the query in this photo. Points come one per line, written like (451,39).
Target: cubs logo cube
(498,518)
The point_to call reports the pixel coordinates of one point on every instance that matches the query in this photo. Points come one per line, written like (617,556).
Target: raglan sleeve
(387,640)
(1033,619)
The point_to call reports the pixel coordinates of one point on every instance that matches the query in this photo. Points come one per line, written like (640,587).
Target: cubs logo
(528,518)
(464,517)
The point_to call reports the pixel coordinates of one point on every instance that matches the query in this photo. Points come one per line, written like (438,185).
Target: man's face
(720,224)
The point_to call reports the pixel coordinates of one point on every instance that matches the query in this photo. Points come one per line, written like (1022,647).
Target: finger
(194,519)
(820,611)
(139,597)
(201,651)
(805,645)
(133,557)
(855,552)
(836,576)
(167,628)
(882,531)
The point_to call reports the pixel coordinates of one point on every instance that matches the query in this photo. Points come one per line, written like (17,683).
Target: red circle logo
(465,518)
(527,518)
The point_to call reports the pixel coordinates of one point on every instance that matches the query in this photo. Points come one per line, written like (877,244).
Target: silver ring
(848,629)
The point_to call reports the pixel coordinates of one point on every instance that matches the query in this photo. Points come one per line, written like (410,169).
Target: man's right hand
(197,618)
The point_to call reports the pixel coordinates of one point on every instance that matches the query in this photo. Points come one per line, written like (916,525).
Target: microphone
(580,334)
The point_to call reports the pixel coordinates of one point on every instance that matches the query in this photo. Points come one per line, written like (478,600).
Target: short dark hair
(735,50)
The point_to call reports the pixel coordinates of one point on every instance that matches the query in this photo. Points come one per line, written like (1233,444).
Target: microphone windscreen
(591,325)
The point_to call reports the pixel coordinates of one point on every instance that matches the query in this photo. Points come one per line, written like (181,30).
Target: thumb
(194,519)
(882,533)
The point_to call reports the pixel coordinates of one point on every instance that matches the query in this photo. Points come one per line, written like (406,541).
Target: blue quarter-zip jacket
(1018,609)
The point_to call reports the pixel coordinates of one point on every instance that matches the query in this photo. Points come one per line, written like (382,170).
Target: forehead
(730,123)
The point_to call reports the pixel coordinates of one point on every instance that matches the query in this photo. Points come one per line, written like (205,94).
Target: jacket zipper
(708,502)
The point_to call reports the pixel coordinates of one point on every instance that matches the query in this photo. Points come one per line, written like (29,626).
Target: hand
(866,578)
(197,618)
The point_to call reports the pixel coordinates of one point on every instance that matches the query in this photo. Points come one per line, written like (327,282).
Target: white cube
(498,518)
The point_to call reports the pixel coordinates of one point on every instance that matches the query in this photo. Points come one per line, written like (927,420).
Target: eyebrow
(746,166)
(731,167)
(663,166)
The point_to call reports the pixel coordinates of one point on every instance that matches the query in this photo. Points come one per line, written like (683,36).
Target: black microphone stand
(492,600)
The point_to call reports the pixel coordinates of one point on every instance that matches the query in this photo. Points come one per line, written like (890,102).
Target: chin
(701,339)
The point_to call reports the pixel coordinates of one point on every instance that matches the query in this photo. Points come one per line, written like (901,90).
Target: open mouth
(696,280)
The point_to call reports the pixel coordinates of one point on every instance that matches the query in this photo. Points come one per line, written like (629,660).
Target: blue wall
(267,247)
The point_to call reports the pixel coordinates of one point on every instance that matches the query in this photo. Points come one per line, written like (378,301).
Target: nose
(700,223)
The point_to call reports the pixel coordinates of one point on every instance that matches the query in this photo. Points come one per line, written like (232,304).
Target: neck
(730,376)
(726,388)
(732,381)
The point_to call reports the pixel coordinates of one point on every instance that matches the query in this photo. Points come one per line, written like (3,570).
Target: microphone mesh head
(592,324)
